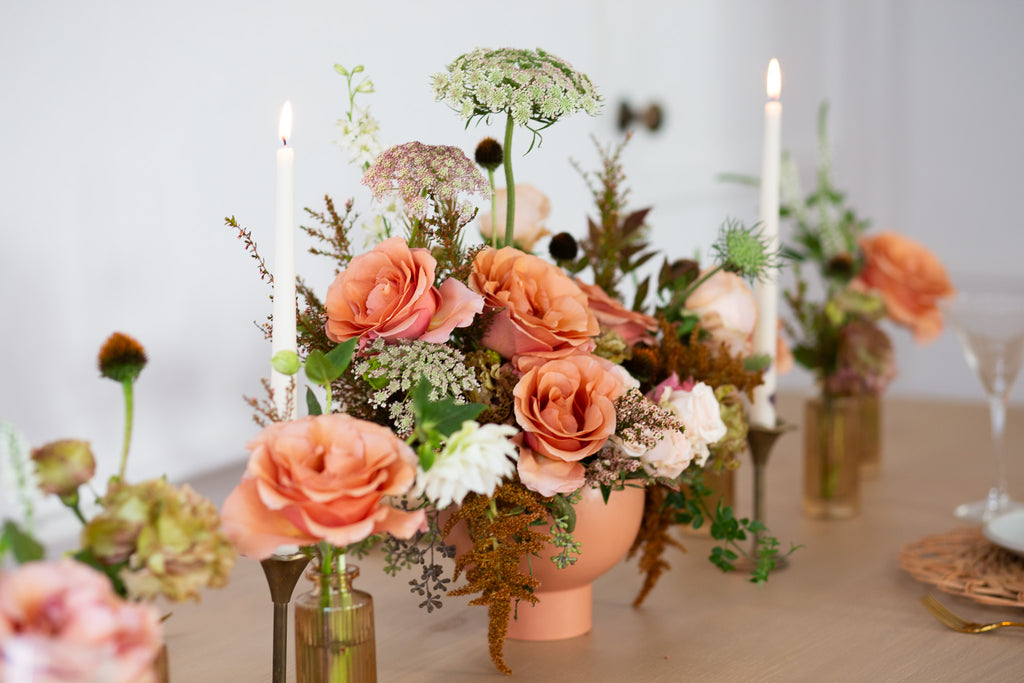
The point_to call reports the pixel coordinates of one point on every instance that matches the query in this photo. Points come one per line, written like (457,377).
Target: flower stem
(510,183)
(494,209)
(129,410)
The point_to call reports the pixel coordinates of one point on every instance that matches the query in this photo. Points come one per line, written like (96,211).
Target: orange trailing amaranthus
(501,529)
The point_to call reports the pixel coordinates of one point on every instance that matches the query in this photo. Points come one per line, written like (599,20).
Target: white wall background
(130,130)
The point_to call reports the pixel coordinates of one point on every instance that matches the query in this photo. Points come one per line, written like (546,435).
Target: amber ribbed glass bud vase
(334,637)
(832,443)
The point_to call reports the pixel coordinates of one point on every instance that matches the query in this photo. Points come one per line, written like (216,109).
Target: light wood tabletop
(841,611)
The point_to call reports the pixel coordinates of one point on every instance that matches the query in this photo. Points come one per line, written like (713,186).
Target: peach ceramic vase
(605,533)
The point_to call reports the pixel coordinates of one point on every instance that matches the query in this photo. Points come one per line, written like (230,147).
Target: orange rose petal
(255,531)
(548,477)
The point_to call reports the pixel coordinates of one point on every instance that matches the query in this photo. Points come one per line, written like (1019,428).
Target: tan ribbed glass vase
(334,637)
(833,429)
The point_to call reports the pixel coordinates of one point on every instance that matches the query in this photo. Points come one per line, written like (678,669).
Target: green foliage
(19,543)
(434,421)
(726,528)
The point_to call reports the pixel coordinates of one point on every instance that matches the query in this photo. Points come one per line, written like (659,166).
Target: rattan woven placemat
(963,562)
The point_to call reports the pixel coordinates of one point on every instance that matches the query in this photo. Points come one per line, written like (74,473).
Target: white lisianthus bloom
(475,459)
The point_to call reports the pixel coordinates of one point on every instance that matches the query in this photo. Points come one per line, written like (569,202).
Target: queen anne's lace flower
(475,459)
(528,84)
(419,172)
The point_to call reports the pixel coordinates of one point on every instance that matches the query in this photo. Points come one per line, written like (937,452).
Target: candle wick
(284,141)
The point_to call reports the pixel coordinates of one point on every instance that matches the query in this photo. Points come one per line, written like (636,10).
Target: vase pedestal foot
(558,615)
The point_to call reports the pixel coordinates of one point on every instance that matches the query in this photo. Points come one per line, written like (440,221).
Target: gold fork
(959,624)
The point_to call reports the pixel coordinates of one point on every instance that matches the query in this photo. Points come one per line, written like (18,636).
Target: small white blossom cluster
(394,369)
(359,136)
(420,173)
(527,84)
(475,458)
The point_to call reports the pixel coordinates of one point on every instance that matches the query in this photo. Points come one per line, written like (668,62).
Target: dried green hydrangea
(394,369)
(527,84)
(169,538)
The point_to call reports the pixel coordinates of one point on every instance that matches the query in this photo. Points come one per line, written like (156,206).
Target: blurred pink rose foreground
(61,622)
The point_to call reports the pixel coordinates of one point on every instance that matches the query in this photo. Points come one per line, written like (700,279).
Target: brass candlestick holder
(282,572)
(760,440)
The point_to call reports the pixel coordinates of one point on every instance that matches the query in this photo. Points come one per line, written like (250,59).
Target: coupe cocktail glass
(990,327)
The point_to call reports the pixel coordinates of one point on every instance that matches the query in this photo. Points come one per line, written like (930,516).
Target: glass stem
(997,412)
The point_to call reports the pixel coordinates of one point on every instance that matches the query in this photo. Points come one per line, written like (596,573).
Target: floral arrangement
(486,385)
(147,540)
(865,279)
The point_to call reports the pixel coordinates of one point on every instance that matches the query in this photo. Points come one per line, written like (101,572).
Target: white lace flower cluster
(475,459)
(527,84)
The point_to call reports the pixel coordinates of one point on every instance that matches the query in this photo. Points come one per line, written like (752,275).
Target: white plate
(1007,531)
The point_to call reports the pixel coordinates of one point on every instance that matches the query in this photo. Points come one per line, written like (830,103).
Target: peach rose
(633,327)
(64,618)
(566,408)
(909,278)
(548,477)
(532,209)
(543,312)
(727,310)
(389,292)
(320,478)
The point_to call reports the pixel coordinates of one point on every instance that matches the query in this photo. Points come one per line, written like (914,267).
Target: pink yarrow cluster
(421,172)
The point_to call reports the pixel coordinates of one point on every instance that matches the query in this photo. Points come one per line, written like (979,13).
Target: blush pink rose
(541,310)
(61,621)
(566,409)
(389,292)
(532,210)
(632,326)
(910,279)
(696,407)
(727,310)
(320,478)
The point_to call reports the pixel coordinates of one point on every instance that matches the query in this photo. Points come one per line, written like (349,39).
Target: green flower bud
(62,466)
(285,362)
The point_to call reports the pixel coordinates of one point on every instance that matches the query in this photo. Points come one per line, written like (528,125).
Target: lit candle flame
(774,79)
(284,128)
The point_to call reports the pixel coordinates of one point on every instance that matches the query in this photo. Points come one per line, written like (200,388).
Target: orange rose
(909,278)
(727,310)
(532,209)
(543,312)
(566,408)
(320,478)
(389,292)
(632,326)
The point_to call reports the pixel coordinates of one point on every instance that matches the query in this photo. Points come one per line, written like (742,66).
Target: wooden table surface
(841,611)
